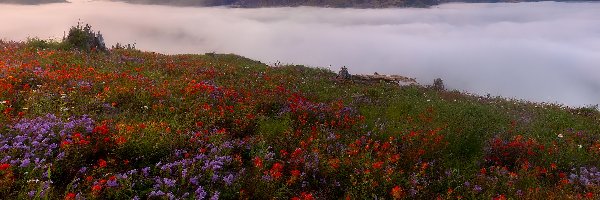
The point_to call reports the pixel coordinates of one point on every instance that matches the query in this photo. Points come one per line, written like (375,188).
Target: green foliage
(282,132)
(438,84)
(82,37)
(37,43)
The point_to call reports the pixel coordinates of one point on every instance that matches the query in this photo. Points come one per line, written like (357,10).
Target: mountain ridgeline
(316,3)
(293,3)
(31,2)
(287,3)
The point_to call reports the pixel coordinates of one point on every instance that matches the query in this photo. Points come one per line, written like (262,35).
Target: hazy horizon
(545,51)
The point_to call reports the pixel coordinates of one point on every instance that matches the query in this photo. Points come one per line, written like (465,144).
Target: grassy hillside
(126,124)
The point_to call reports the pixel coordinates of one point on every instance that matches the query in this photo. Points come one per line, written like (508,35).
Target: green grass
(163,105)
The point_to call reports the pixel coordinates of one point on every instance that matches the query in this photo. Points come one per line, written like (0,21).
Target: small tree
(438,84)
(83,38)
(344,74)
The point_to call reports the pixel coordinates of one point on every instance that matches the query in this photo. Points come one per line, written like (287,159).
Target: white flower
(560,135)
(580,146)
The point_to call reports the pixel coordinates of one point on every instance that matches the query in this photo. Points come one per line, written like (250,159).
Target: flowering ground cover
(126,124)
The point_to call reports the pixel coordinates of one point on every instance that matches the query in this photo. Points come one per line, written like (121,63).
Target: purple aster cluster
(32,145)
(208,173)
(585,177)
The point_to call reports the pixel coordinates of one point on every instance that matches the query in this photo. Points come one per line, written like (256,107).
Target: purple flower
(145,171)
(184,172)
(60,156)
(228,179)
(215,178)
(169,182)
(24,162)
(214,165)
(200,193)
(412,192)
(171,196)
(194,181)
(156,193)
(227,145)
(31,193)
(267,178)
(477,188)
(215,196)
(112,183)
(269,156)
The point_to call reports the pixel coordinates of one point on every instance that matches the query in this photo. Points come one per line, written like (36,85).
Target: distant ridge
(291,3)
(318,3)
(31,2)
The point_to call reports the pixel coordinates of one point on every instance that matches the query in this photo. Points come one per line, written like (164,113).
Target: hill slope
(129,124)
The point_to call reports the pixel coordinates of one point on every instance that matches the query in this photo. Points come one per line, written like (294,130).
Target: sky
(543,51)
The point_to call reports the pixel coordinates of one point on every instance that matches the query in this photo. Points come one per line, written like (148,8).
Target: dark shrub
(438,84)
(83,38)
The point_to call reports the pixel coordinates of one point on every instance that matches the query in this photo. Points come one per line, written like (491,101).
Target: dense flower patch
(126,124)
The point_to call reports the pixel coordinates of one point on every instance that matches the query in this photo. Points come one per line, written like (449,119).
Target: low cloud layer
(544,51)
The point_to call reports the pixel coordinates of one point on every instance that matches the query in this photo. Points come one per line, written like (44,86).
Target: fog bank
(544,51)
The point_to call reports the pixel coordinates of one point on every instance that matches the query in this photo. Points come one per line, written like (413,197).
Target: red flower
(276,170)
(295,173)
(121,140)
(397,192)
(307,196)
(103,130)
(82,141)
(101,163)
(283,152)
(70,196)
(96,188)
(64,144)
(500,197)
(394,158)
(562,175)
(297,152)
(377,165)
(258,162)
(334,163)
(4,166)
(7,111)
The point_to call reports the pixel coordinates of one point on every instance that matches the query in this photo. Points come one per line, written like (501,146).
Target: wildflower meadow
(127,124)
